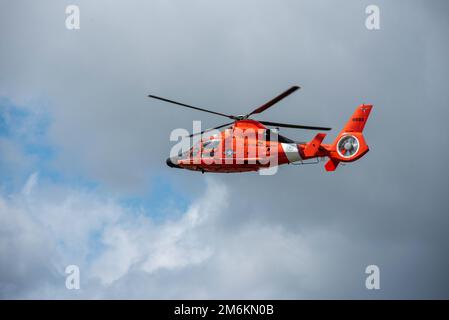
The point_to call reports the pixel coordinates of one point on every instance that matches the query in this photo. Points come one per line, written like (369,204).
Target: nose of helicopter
(172,163)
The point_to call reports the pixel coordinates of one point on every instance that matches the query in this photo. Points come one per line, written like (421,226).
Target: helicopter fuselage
(246,146)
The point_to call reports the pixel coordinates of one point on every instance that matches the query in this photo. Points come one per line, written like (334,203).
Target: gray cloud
(390,208)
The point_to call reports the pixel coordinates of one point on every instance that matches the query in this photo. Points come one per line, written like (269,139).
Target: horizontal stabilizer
(312,147)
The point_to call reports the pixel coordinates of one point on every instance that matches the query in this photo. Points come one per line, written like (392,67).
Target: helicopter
(249,145)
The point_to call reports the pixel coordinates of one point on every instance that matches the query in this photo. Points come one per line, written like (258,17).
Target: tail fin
(358,120)
(350,143)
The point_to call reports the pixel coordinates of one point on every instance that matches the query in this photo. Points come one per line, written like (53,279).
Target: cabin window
(193,152)
(211,144)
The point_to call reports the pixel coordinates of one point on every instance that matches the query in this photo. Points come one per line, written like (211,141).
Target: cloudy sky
(83,178)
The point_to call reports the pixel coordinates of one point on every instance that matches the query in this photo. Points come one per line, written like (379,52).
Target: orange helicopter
(248,145)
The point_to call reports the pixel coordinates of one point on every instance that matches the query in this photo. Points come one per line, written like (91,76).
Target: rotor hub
(348,146)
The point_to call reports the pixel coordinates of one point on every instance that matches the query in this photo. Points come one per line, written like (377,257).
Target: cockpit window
(205,144)
(211,144)
(184,155)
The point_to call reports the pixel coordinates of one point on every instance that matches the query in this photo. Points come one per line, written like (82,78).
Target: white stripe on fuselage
(291,151)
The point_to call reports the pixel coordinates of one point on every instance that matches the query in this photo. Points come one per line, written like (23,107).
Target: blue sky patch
(27,131)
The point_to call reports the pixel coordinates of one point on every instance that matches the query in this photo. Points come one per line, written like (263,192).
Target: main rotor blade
(295,126)
(210,129)
(270,103)
(191,107)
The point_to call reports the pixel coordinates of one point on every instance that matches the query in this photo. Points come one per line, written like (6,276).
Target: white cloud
(123,253)
(45,228)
